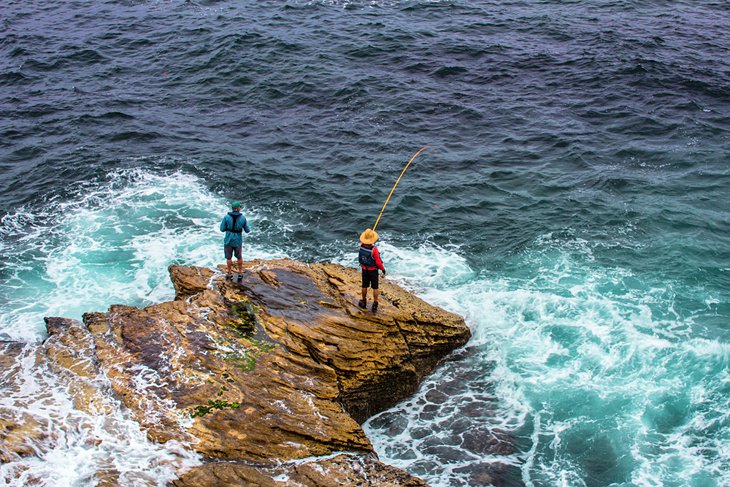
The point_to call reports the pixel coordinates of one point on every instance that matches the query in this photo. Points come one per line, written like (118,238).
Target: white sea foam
(110,243)
(564,352)
(578,353)
(76,448)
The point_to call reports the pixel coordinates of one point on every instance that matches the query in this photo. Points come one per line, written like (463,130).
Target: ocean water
(573,206)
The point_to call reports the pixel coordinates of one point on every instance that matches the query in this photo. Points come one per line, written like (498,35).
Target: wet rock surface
(337,471)
(281,366)
(20,432)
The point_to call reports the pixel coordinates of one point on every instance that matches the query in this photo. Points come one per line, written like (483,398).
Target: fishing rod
(396,184)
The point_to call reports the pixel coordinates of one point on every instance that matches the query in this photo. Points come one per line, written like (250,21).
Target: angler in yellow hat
(369,256)
(370,262)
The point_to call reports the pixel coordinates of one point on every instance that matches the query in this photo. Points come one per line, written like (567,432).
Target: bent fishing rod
(396,184)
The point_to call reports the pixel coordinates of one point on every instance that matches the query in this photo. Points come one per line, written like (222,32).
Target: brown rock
(21,434)
(390,359)
(189,280)
(328,472)
(10,352)
(69,350)
(279,367)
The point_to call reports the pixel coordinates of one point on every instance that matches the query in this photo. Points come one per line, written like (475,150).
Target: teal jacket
(233,236)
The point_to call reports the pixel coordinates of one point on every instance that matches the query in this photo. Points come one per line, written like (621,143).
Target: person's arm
(223,224)
(245,225)
(378,261)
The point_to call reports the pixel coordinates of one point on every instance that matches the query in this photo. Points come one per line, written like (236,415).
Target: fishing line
(396,184)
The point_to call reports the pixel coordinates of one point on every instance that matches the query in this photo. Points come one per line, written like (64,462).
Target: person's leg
(228,253)
(364,290)
(239,256)
(376,291)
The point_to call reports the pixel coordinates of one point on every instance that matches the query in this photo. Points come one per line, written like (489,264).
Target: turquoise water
(573,207)
(111,242)
(598,374)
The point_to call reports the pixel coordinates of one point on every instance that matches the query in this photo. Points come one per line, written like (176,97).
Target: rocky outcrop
(280,366)
(19,431)
(337,471)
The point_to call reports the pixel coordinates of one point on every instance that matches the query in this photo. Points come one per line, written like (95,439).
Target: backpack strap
(233,225)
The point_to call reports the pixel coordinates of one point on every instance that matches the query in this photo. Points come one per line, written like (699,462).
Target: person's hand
(383,272)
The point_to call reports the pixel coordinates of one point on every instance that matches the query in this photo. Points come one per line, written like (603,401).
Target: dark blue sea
(574,207)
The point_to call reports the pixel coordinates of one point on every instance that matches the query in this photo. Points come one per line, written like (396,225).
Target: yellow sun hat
(369,236)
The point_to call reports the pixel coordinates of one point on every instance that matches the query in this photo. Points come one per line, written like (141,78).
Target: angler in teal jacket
(234,224)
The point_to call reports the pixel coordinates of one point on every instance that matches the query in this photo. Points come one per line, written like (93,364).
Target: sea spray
(575,209)
(108,242)
(73,447)
(586,369)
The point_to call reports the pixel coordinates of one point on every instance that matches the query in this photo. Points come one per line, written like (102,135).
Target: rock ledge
(264,375)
